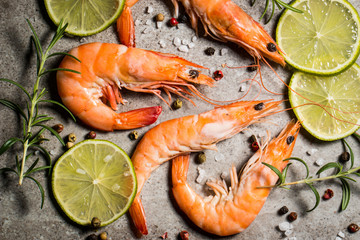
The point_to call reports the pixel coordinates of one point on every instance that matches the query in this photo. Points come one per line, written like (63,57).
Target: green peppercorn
(95,222)
(201,158)
(103,236)
(72,137)
(177,104)
(58,128)
(134,135)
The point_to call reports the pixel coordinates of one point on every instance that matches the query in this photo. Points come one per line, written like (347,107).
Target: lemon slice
(339,95)
(95,178)
(84,17)
(323,40)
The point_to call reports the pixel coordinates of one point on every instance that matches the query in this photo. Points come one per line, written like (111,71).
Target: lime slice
(340,92)
(323,40)
(95,178)
(84,17)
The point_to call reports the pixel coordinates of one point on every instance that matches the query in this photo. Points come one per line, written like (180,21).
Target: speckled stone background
(20,213)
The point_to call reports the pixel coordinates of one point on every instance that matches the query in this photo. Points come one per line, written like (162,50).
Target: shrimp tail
(137,118)
(125,28)
(180,166)
(138,215)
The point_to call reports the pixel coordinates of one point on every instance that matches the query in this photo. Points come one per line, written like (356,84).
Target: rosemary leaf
(14,107)
(275,170)
(39,120)
(299,160)
(329,166)
(345,194)
(59,69)
(37,169)
(8,144)
(16,84)
(53,132)
(32,166)
(8,170)
(40,188)
(351,153)
(317,196)
(64,53)
(349,178)
(61,105)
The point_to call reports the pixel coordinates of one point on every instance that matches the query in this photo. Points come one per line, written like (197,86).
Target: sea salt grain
(288,232)
(159,24)
(284,226)
(185,42)
(183,48)
(149,9)
(146,30)
(224,51)
(177,41)
(148,22)
(194,39)
(162,43)
(341,234)
(338,238)
(191,45)
(219,157)
(201,175)
(311,151)
(137,22)
(319,162)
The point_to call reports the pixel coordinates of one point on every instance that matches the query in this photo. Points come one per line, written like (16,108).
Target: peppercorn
(193,73)
(134,135)
(103,236)
(160,17)
(353,228)
(259,106)
(345,156)
(183,18)
(58,128)
(255,146)
(92,237)
(72,137)
(271,47)
(69,145)
(95,222)
(210,51)
(292,216)
(218,75)
(201,158)
(177,104)
(174,22)
(91,135)
(328,194)
(290,139)
(283,210)
(184,235)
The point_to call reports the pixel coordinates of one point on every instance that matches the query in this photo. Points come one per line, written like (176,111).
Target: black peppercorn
(92,237)
(353,228)
(134,135)
(292,216)
(283,210)
(290,139)
(271,47)
(210,51)
(345,156)
(259,106)
(183,18)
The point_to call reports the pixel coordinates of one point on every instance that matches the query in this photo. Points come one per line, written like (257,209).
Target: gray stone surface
(20,213)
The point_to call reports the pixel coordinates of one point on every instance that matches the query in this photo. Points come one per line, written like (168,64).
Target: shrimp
(106,68)
(125,25)
(226,21)
(233,209)
(190,134)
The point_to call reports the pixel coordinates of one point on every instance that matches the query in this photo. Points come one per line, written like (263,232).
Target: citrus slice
(323,40)
(95,178)
(84,17)
(340,97)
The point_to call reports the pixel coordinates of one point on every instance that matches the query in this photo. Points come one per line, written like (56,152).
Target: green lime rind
(339,91)
(340,39)
(84,18)
(80,173)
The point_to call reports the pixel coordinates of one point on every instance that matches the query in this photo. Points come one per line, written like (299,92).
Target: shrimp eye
(259,106)
(193,73)
(290,139)
(271,47)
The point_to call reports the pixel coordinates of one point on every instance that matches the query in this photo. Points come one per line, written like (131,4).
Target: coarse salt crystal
(185,42)
(159,24)
(284,226)
(292,238)
(148,22)
(149,9)
(146,30)
(51,152)
(82,40)
(183,48)
(288,232)
(191,45)
(311,151)
(194,39)
(177,41)
(224,175)
(219,157)
(319,161)
(224,51)
(137,22)
(291,226)
(242,88)
(338,238)
(341,234)
(162,43)
(201,175)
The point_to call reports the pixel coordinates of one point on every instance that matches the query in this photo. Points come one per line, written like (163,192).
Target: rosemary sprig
(340,173)
(279,4)
(31,118)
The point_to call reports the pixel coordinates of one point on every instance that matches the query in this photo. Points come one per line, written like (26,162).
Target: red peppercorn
(328,194)
(91,135)
(174,22)
(292,216)
(255,146)
(353,228)
(218,75)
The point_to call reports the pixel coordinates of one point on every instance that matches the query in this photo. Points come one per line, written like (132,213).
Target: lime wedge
(323,40)
(84,17)
(339,95)
(95,178)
